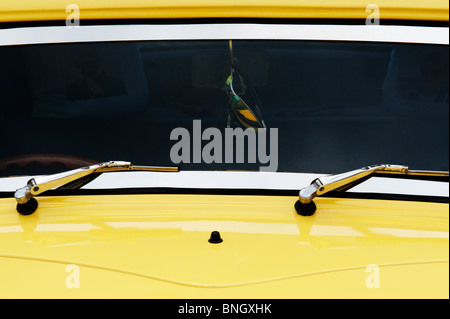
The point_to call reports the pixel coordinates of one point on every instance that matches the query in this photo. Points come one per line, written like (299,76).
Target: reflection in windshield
(94,80)
(336,105)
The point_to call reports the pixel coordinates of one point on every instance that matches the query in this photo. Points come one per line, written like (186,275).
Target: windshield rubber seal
(322,21)
(236,191)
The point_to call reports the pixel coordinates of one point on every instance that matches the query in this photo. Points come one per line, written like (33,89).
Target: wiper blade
(27,204)
(320,186)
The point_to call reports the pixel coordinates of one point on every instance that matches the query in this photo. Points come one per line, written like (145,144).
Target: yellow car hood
(156,246)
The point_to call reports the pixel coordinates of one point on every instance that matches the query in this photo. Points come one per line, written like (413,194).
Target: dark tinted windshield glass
(327,106)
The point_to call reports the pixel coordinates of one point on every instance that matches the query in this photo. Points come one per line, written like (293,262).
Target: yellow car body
(435,10)
(156,245)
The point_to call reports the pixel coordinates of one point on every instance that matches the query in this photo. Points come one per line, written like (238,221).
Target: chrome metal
(326,184)
(41,184)
(225,31)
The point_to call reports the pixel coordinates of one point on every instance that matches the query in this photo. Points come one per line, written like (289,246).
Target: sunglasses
(244,114)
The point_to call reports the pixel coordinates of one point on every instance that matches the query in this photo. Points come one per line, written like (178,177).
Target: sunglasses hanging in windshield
(244,114)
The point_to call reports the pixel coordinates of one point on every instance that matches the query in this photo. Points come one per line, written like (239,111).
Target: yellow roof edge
(243,11)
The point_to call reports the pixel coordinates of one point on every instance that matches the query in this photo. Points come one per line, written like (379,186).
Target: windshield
(295,106)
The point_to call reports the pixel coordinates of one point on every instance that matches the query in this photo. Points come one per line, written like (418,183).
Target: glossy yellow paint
(156,246)
(30,10)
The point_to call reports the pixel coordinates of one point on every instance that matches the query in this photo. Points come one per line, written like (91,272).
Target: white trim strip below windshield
(242,180)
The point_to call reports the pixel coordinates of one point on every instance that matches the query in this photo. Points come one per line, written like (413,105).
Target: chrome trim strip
(372,33)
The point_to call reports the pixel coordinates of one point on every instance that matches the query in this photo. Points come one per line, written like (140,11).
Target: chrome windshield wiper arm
(27,204)
(305,205)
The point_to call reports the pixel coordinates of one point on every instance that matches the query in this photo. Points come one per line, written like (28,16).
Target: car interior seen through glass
(337,105)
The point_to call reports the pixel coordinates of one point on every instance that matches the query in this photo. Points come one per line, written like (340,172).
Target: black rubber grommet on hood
(305,209)
(28,208)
